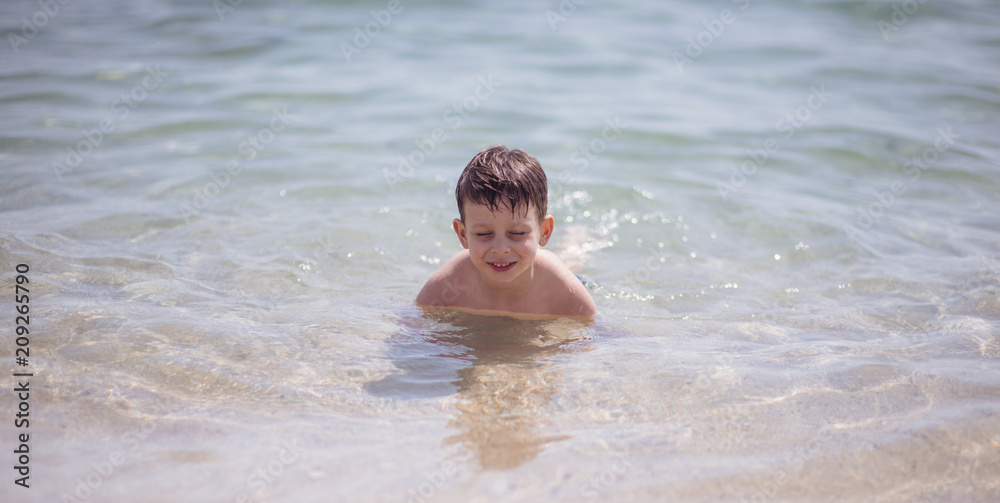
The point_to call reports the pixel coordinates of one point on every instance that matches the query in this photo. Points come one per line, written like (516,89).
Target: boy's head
(502,200)
(500,179)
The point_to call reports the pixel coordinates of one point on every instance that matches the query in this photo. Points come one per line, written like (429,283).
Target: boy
(502,198)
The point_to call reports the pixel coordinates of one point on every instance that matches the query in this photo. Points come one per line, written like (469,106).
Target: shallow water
(824,326)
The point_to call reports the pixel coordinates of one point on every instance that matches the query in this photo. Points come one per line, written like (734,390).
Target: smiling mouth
(501,266)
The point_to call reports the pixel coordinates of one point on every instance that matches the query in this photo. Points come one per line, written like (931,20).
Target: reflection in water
(502,370)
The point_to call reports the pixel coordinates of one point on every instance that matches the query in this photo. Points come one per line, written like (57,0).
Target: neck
(509,293)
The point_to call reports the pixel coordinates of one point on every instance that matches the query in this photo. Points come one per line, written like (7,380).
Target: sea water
(787,212)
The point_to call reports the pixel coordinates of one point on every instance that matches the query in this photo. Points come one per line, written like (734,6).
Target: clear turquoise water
(251,333)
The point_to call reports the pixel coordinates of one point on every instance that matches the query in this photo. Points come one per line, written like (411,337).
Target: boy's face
(502,244)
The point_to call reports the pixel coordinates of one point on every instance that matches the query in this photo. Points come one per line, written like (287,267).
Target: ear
(459,227)
(548,223)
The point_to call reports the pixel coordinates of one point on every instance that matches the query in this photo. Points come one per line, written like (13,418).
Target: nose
(500,246)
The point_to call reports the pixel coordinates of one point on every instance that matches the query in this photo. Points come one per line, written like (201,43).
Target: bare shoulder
(438,290)
(568,293)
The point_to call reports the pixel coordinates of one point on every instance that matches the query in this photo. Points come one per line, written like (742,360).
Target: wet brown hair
(500,178)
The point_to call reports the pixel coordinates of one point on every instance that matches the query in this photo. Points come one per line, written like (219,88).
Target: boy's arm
(587,306)
(581,303)
(576,301)
(428,293)
(439,289)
